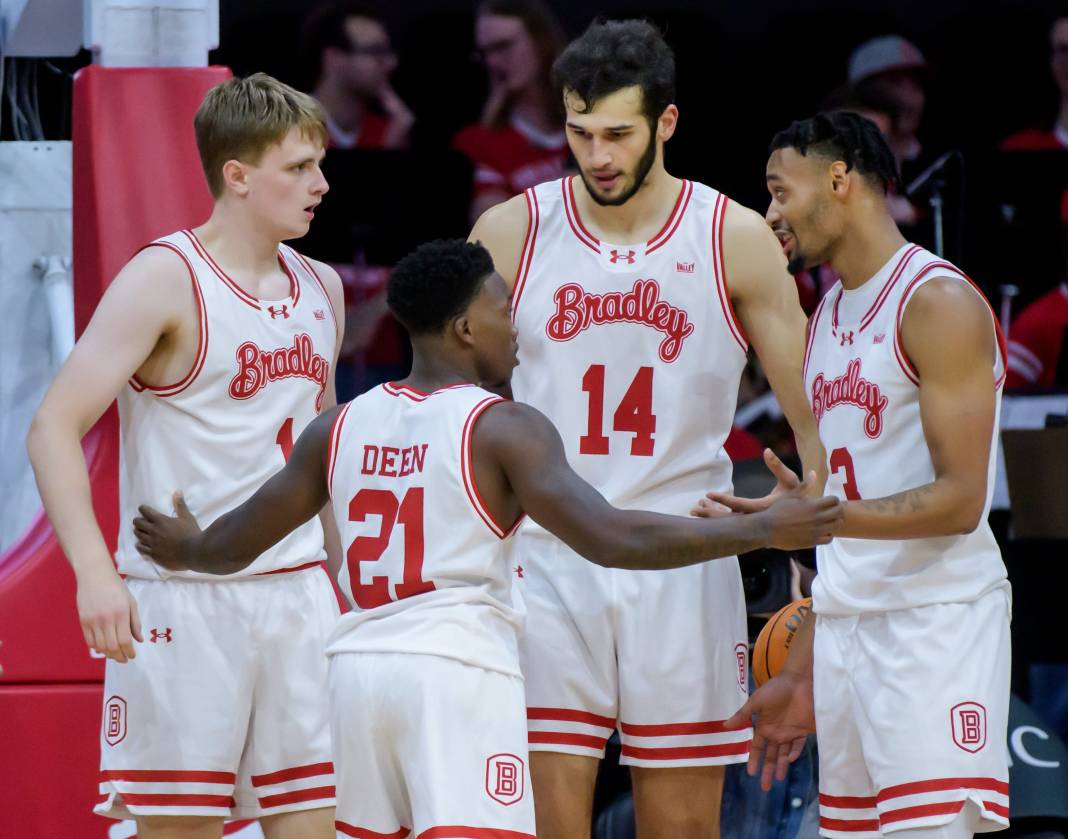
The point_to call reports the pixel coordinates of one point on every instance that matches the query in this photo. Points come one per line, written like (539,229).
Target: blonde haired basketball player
(429,478)
(908,663)
(219,343)
(637,295)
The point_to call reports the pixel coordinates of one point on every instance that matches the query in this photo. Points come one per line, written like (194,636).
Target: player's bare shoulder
(501,230)
(156,290)
(752,254)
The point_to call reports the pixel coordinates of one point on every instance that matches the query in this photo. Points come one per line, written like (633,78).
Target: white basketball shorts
(224,710)
(428,748)
(662,655)
(911,717)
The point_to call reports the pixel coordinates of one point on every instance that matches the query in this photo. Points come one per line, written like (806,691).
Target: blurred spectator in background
(1046,139)
(519,141)
(347,59)
(892,68)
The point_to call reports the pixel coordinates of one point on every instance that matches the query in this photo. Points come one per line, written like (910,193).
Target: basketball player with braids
(430,477)
(220,344)
(904,669)
(637,295)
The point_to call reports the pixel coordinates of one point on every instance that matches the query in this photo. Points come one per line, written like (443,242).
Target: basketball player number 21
(407,511)
(841,461)
(634,412)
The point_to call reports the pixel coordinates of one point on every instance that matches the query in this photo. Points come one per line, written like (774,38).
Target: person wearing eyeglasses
(347,59)
(519,141)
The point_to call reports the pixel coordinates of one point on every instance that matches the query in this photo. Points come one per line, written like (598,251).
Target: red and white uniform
(911,650)
(634,353)
(428,710)
(218,647)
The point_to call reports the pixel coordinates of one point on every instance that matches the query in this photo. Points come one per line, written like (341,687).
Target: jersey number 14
(634,413)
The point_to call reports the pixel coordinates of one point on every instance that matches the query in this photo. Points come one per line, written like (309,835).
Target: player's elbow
(35,437)
(968,512)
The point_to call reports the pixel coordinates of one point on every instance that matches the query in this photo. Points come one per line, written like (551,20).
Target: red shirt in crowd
(1034,139)
(512,158)
(1036,340)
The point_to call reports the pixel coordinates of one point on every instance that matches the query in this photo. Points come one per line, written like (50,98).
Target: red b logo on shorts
(114,720)
(969,725)
(741,655)
(505,778)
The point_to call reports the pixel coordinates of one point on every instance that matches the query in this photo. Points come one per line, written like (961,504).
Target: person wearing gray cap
(896,69)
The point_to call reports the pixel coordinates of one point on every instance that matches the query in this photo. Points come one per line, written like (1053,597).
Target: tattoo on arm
(911,500)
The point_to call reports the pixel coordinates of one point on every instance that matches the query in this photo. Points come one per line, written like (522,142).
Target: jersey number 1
(408,512)
(634,413)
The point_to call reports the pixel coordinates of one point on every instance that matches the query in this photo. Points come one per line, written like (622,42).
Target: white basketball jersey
(865,396)
(259,378)
(633,351)
(427,569)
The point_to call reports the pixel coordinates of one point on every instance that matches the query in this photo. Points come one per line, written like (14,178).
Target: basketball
(773,642)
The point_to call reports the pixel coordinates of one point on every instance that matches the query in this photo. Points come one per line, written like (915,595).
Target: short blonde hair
(241,118)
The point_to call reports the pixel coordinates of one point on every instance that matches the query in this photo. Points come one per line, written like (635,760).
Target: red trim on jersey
(907,367)
(810,337)
(365,833)
(941,785)
(719,213)
(242,295)
(567,186)
(526,256)
(850,825)
(467,472)
(146,776)
(895,275)
(322,286)
(686,752)
(294,282)
(567,738)
(313,794)
(920,811)
(304,567)
(673,220)
(569,715)
(416,395)
(848,802)
(456,831)
(331,452)
(293,773)
(676,729)
(176,800)
(202,337)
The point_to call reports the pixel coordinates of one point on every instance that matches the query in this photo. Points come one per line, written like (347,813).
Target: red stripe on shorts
(998,809)
(850,825)
(685,752)
(848,802)
(293,773)
(177,800)
(364,833)
(457,831)
(568,715)
(920,811)
(678,728)
(940,785)
(150,775)
(566,738)
(313,794)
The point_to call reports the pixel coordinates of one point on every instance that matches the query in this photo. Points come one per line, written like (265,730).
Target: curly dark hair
(845,136)
(436,282)
(613,54)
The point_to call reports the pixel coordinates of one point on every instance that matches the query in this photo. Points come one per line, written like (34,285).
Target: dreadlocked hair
(845,136)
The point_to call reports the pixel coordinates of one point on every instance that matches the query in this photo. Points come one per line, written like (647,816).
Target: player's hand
(706,508)
(797,521)
(782,716)
(786,481)
(167,540)
(109,618)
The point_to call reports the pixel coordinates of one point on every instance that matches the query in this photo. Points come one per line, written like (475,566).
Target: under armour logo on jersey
(845,338)
(519,571)
(278,311)
(165,635)
(684,267)
(878,339)
(614,256)
(320,315)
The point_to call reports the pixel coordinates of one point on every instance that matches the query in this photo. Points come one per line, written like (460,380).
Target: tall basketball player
(220,344)
(637,295)
(907,659)
(429,478)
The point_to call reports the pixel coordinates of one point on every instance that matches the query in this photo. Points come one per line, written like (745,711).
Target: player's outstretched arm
(148,303)
(531,457)
(947,332)
(290,498)
(765,298)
